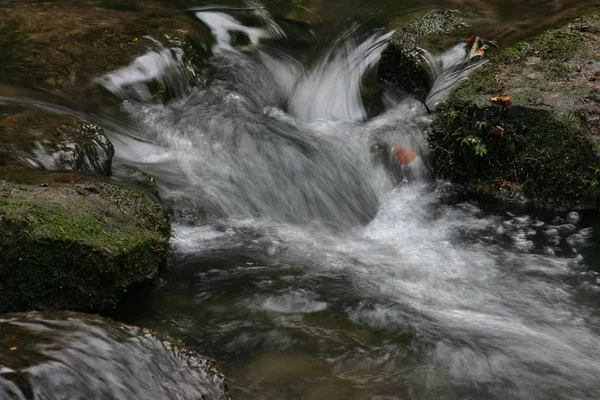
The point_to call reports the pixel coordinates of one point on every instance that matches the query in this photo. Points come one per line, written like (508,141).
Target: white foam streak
(332,88)
(222,24)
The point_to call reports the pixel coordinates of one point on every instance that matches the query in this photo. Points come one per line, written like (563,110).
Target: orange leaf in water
(471,41)
(404,155)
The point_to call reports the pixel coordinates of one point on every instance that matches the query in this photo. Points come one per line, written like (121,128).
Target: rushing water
(311,269)
(78,356)
(310,273)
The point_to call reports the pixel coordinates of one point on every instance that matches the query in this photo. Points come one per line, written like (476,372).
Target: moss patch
(77,246)
(545,155)
(543,144)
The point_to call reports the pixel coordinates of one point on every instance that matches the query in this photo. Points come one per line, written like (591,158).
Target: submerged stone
(77,246)
(55,142)
(544,141)
(69,355)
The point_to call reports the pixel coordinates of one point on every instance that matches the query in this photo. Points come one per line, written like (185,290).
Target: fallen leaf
(497,130)
(13,348)
(502,100)
(404,155)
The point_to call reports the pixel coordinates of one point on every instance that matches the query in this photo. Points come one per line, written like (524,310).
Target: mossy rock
(77,246)
(63,46)
(55,142)
(545,143)
(99,358)
(403,64)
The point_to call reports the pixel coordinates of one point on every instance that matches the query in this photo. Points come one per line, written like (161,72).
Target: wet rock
(75,356)
(55,142)
(77,246)
(548,149)
(404,63)
(62,46)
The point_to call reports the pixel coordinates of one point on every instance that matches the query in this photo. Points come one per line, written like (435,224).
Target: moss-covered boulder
(541,137)
(55,142)
(77,246)
(66,355)
(404,63)
(62,46)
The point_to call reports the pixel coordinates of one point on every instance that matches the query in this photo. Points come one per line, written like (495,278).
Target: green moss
(544,154)
(542,144)
(77,246)
(485,81)
(435,23)
(557,44)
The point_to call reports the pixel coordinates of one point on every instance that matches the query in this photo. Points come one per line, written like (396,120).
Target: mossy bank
(77,246)
(542,140)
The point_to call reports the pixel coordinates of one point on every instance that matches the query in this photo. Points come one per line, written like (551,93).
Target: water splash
(77,356)
(222,24)
(165,66)
(332,88)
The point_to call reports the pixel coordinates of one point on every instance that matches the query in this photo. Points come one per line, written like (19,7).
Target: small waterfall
(163,65)
(331,89)
(299,236)
(269,137)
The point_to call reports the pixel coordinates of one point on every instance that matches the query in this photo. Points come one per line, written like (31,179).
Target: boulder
(528,122)
(405,65)
(69,355)
(55,142)
(76,244)
(63,46)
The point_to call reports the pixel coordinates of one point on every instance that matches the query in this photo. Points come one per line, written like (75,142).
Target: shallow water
(309,270)
(77,356)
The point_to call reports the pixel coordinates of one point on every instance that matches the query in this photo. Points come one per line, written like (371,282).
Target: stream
(307,269)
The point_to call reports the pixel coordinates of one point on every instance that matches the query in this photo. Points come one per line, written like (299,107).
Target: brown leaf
(497,130)
(501,100)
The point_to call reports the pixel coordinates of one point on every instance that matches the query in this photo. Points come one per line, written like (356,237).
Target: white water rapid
(272,159)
